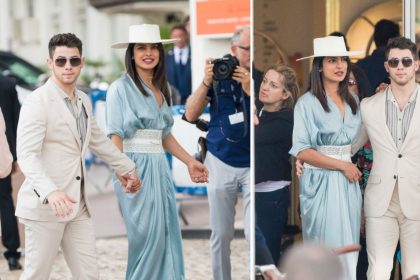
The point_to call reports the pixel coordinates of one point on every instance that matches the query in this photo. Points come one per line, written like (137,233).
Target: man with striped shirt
(391,120)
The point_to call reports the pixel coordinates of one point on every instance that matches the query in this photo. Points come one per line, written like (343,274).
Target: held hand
(208,71)
(198,172)
(241,75)
(133,183)
(61,203)
(299,167)
(123,180)
(351,172)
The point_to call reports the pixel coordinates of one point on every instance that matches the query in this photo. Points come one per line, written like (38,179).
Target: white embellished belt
(338,152)
(144,141)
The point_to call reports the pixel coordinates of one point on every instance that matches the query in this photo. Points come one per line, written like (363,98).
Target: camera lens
(223,69)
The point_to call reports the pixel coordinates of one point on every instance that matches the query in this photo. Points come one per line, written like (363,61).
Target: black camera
(223,67)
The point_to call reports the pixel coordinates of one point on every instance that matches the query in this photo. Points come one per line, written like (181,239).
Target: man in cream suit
(391,120)
(55,130)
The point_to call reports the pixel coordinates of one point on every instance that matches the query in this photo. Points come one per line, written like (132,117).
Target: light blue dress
(150,215)
(330,205)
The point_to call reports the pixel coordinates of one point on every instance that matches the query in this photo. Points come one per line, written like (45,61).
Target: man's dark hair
(384,30)
(179,27)
(401,43)
(64,40)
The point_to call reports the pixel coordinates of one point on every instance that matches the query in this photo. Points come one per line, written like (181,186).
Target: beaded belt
(338,152)
(144,141)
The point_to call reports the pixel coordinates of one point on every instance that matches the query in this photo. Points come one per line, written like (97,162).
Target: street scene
(112,244)
(155,188)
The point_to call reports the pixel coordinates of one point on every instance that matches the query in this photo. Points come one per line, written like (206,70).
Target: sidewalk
(112,241)
(112,261)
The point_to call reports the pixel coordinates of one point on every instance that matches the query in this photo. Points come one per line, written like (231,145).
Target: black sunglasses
(406,62)
(74,61)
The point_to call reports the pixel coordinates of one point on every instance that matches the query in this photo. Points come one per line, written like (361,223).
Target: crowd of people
(353,137)
(354,134)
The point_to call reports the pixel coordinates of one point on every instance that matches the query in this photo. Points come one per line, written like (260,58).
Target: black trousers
(9,228)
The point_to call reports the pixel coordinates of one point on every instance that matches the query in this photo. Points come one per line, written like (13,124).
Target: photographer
(228,147)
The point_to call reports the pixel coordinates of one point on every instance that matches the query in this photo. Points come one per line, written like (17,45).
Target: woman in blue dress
(326,123)
(139,122)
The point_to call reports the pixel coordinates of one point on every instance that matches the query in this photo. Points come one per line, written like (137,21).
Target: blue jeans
(271,218)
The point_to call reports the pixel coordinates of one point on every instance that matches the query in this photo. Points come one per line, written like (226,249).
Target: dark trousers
(271,210)
(262,253)
(9,228)
(362,262)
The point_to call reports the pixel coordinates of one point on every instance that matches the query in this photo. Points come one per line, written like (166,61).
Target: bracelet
(204,84)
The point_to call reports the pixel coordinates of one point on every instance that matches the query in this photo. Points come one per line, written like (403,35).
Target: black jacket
(273,140)
(10,107)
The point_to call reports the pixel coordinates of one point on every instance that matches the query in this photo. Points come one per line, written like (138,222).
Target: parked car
(26,76)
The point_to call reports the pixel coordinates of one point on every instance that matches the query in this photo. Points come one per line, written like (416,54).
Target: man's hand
(61,203)
(198,172)
(133,183)
(208,72)
(381,87)
(241,75)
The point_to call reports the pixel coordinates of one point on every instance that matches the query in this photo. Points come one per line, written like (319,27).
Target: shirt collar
(390,96)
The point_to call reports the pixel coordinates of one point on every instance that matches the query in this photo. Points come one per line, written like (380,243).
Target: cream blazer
(50,155)
(390,165)
(6,158)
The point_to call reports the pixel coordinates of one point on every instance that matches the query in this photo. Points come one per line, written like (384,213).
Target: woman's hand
(299,167)
(351,172)
(198,172)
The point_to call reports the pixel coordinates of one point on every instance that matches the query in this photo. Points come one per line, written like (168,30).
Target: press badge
(236,118)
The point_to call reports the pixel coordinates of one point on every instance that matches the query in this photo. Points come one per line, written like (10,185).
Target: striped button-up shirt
(78,111)
(398,121)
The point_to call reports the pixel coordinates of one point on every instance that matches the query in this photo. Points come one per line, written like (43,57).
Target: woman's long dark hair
(316,86)
(362,82)
(159,74)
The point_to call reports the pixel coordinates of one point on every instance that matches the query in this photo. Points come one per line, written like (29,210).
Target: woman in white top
(6,158)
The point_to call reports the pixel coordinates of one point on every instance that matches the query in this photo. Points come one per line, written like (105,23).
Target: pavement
(112,242)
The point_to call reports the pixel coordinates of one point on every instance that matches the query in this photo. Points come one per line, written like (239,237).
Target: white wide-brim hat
(330,46)
(143,33)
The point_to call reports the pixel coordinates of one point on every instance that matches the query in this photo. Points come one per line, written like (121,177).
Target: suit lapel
(86,107)
(61,106)
(414,123)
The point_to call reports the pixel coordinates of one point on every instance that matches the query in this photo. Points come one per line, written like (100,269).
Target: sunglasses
(394,62)
(74,61)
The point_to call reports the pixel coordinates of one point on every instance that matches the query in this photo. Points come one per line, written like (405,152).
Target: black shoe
(14,263)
